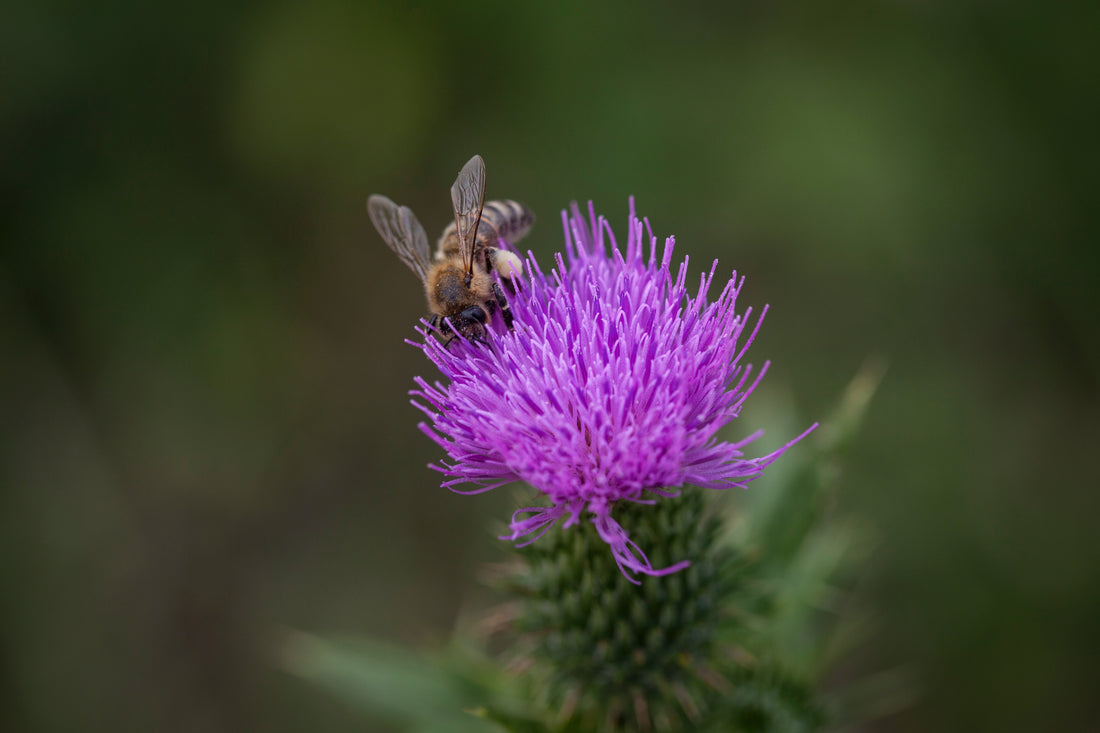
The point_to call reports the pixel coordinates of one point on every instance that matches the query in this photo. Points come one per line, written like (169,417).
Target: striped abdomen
(507,220)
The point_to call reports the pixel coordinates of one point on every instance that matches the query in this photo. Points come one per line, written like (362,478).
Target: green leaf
(787,513)
(508,721)
(417,691)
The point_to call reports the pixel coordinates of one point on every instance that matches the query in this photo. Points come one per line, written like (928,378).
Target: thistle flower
(611,388)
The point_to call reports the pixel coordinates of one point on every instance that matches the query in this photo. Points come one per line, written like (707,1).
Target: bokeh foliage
(205,433)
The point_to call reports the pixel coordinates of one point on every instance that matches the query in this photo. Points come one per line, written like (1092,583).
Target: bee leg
(446,335)
(505,309)
(442,329)
(439,326)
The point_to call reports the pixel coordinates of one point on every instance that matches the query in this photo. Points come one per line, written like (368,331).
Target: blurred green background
(206,434)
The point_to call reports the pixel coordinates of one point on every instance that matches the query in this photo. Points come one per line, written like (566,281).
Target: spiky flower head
(611,388)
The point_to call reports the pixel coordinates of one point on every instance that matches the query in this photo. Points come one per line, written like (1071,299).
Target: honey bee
(462,293)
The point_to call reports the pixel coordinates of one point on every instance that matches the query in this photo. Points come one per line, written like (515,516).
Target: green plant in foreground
(646,607)
(736,642)
(609,655)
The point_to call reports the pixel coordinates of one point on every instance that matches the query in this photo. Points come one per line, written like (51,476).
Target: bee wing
(401,232)
(468,198)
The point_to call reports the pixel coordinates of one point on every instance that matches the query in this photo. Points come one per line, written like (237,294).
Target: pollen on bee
(508,264)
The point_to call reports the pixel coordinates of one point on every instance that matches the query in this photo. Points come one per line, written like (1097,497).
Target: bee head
(471,323)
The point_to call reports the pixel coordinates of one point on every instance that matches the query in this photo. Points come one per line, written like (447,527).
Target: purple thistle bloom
(611,387)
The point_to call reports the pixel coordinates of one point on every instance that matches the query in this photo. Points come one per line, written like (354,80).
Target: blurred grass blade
(782,524)
(414,690)
(847,418)
(509,721)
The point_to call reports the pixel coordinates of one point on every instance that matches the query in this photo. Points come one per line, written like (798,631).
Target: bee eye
(475,313)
